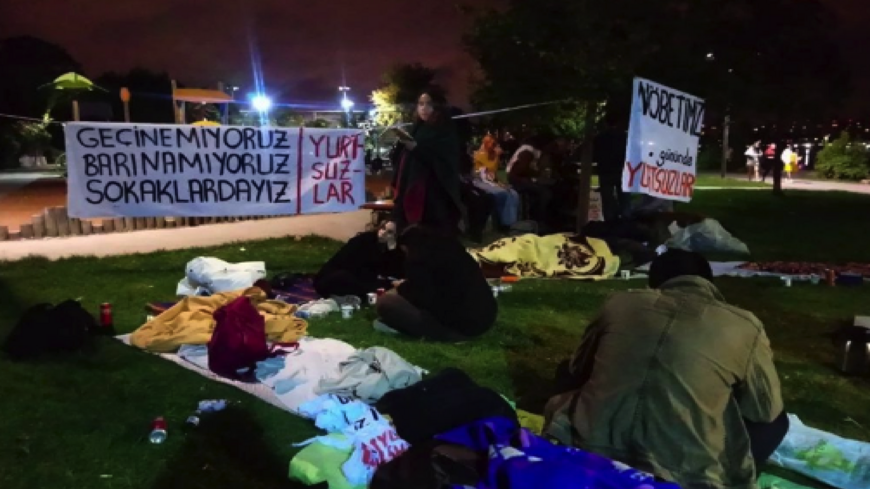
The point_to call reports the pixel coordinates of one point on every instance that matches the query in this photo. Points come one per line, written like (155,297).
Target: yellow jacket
(191,321)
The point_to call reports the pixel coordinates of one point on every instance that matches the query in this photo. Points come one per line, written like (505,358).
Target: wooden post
(38,225)
(50,223)
(586,165)
(26,231)
(75,226)
(122,224)
(174,103)
(140,223)
(150,223)
(87,227)
(75,109)
(108,226)
(63,227)
(4,233)
(125,97)
(160,223)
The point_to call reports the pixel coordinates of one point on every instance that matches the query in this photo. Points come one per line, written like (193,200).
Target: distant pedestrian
(753,160)
(769,161)
(790,161)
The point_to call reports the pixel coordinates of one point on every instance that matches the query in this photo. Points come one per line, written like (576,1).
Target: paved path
(10,182)
(807,184)
(826,186)
(336,226)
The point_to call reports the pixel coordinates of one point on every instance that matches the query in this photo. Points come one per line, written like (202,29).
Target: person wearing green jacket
(674,381)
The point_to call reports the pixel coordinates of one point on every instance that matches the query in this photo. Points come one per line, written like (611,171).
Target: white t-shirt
(752,154)
(372,437)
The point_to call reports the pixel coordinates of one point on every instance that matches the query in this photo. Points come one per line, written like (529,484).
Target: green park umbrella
(72,81)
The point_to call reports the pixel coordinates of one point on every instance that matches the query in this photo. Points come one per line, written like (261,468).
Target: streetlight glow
(346,104)
(261,103)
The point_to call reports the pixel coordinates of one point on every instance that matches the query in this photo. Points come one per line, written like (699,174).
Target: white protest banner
(155,170)
(662,142)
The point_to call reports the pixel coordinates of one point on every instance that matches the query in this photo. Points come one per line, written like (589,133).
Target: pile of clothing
(442,431)
(387,424)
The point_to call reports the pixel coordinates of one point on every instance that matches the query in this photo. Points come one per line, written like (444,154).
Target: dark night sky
(305,45)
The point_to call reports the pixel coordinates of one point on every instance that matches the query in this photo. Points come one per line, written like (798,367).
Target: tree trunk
(586,165)
(777,176)
(726,143)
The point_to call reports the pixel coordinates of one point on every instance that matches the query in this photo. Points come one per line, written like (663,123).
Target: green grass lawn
(714,180)
(83,422)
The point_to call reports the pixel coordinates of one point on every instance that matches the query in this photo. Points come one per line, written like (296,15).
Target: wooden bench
(381,210)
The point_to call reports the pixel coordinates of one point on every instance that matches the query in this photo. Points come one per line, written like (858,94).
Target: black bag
(440,403)
(50,330)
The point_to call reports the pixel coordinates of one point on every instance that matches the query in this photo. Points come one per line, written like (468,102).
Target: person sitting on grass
(367,262)
(444,296)
(675,381)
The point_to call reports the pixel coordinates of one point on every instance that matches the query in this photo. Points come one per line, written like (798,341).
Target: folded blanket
(553,256)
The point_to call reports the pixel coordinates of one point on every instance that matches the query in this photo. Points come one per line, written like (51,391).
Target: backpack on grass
(239,339)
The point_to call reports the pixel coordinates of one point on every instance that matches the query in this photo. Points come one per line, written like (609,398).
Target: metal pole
(726,133)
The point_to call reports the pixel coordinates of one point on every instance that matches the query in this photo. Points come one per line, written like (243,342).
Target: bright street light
(346,104)
(261,103)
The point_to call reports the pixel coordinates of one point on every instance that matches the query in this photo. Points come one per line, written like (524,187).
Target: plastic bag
(705,236)
(823,456)
(207,275)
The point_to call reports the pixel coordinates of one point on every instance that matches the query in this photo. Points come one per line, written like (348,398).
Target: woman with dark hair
(444,296)
(426,181)
(368,262)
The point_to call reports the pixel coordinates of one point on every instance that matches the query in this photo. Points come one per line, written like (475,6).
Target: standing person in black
(609,153)
(427,179)
(478,204)
(768,163)
(367,262)
(444,296)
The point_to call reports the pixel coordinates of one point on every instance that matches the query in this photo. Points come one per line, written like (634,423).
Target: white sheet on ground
(287,381)
(262,391)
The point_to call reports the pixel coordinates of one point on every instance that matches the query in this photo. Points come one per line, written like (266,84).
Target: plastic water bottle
(158,431)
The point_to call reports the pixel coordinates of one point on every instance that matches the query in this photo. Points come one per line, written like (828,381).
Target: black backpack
(51,330)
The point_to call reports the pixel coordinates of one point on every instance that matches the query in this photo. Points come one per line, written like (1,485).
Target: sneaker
(383,328)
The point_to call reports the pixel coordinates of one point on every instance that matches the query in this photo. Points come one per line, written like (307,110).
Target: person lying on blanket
(674,381)
(444,296)
(368,262)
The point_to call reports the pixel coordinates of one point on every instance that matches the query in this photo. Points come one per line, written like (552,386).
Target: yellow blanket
(191,321)
(553,256)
